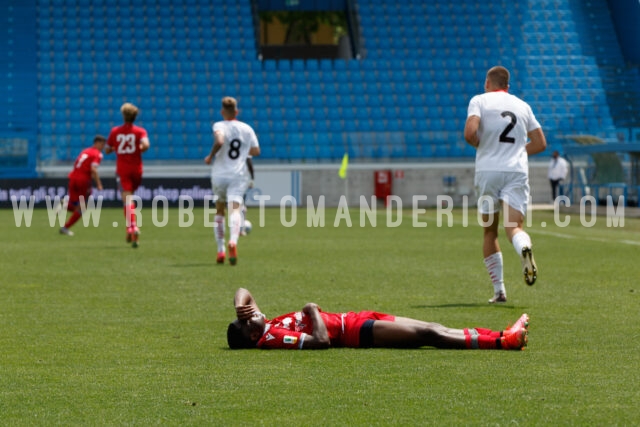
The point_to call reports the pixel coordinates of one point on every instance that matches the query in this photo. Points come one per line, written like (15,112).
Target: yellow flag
(343,169)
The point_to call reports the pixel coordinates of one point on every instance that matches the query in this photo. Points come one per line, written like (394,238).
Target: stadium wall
(18,89)
(296,183)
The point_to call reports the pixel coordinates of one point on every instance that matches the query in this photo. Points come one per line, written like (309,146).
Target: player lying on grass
(312,328)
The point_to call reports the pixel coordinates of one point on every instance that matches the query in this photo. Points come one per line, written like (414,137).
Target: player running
(498,125)
(129,142)
(233,142)
(85,169)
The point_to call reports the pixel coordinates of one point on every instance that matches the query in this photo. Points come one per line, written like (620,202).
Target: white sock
(235,221)
(494,267)
(521,240)
(218,231)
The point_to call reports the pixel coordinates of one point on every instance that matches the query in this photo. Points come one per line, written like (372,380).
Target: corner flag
(343,169)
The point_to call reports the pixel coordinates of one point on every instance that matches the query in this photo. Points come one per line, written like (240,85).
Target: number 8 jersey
(231,159)
(505,121)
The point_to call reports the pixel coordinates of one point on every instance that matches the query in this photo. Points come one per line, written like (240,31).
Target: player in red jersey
(85,169)
(129,142)
(312,328)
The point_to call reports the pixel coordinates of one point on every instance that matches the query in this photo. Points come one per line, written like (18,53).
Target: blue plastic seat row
(412,80)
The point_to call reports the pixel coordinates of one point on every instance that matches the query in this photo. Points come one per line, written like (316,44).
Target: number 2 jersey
(505,121)
(231,159)
(125,141)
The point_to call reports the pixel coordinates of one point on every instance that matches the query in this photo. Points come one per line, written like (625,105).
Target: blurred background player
(85,169)
(128,141)
(498,125)
(233,142)
(311,328)
(558,169)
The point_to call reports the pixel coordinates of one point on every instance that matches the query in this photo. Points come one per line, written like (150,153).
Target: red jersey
(125,141)
(82,166)
(289,330)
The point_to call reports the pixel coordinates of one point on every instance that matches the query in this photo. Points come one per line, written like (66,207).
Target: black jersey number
(234,149)
(504,136)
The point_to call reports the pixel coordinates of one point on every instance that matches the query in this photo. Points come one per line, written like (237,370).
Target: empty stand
(405,98)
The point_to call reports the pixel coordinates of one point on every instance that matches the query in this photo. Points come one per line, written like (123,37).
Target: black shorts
(366,334)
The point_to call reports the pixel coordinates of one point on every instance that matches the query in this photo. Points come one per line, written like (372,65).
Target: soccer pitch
(94,332)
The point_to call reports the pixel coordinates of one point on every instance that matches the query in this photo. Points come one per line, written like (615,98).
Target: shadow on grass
(199,264)
(461,305)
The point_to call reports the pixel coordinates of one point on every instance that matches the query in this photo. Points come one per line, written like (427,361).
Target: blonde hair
(229,105)
(499,77)
(129,112)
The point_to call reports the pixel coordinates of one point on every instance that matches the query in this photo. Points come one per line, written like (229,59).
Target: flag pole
(342,173)
(346,189)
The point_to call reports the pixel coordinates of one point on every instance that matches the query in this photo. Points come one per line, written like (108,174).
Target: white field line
(432,220)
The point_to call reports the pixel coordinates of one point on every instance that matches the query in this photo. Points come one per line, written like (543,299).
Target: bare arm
(245,304)
(96,176)
(320,337)
(218,142)
(471,131)
(538,142)
(144,145)
(254,151)
(108,149)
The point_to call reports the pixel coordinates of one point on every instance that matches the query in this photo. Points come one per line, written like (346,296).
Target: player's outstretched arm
(320,337)
(245,304)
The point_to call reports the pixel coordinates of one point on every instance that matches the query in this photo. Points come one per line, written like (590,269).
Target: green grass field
(93,332)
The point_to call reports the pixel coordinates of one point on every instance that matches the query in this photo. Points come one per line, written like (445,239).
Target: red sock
(475,340)
(467,337)
(483,331)
(131,220)
(486,342)
(75,216)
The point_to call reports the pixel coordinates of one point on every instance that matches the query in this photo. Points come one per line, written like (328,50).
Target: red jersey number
(126,143)
(81,159)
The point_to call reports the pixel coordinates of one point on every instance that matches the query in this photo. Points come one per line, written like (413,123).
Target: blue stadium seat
(326,64)
(427,58)
(312,65)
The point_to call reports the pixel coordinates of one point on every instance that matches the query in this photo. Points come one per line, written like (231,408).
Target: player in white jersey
(233,142)
(498,125)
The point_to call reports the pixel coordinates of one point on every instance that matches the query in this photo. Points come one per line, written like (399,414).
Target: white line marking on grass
(593,239)
(551,233)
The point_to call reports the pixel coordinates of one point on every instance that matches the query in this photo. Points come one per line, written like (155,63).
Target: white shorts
(230,189)
(511,188)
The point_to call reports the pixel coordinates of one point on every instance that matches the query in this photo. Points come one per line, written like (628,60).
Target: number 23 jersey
(231,159)
(505,121)
(125,141)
